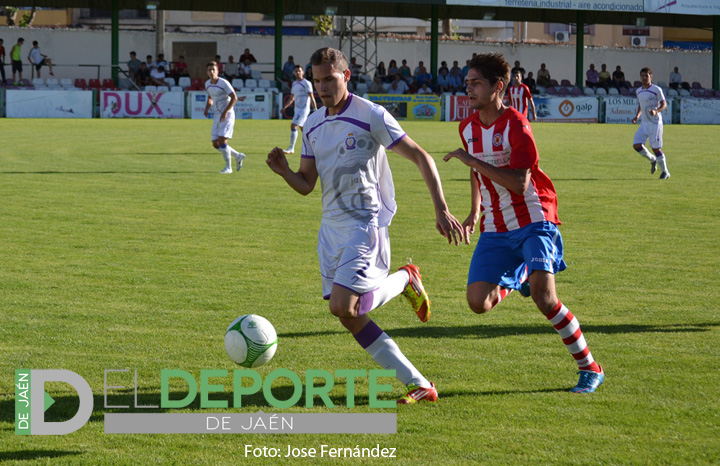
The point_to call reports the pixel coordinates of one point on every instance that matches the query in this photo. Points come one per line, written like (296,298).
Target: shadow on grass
(108,172)
(35,454)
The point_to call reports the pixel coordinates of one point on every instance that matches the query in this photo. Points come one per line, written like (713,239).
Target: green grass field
(123,248)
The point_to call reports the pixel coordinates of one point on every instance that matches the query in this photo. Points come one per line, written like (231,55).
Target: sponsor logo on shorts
(540,259)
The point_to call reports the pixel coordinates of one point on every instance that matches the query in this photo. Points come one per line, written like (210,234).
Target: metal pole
(434,43)
(115,41)
(278,39)
(716,53)
(160,32)
(579,46)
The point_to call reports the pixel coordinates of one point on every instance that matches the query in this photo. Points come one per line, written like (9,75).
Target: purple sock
(659,152)
(365,302)
(368,334)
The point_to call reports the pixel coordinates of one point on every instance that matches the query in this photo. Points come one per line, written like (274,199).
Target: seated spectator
(248,55)
(355,71)
(465,70)
(443,66)
(675,78)
(618,79)
(530,83)
(308,72)
(245,69)
(455,67)
(220,68)
(288,69)
(423,77)
(133,65)
(180,68)
(231,68)
(377,86)
(161,62)
(605,77)
(443,81)
(399,86)
(392,71)
(425,89)
(150,63)
(418,69)
(543,76)
(142,77)
(519,68)
(456,80)
(157,76)
(380,71)
(405,72)
(592,77)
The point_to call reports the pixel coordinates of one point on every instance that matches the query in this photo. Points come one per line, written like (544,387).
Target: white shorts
(357,257)
(223,129)
(651,132)
(300,116)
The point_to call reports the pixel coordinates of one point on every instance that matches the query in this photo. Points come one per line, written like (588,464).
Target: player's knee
(479,304)
(341,310)
(637,147)
(545,302)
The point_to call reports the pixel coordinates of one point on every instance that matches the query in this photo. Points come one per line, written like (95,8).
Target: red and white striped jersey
(519,98)
(509,143)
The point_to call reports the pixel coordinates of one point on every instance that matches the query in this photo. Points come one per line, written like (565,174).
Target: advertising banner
(621,109)
(250,105)
(457,108)
(49,104)
(141,104)
(683,7)
(700,111)
(595,5)
(409,107)
(567,109)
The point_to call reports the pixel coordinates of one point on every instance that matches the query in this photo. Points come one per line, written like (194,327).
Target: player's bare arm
(207,106)
(474,216)
(445,222)
(303,181)
(290,102)
(231,105)
(516,180)
(637,115)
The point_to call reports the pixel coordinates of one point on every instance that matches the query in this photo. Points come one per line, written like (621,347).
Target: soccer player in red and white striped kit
(520,96)
(520,243)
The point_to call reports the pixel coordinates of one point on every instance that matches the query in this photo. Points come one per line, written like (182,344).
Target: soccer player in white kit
(344,145)
(651,103)
(221,100)
(302,95)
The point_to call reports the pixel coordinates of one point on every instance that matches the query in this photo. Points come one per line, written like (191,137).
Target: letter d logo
(30,410)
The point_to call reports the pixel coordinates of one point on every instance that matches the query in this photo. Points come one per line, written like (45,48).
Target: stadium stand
(613,91)
(66,83)
(237,83)
(184,82)
(696,85)
(80,83)
(252,83)
(176,89)
(38,83)
(264,83)
(94,84)
(197,85)
(601,91)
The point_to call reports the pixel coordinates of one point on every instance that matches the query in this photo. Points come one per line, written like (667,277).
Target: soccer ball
(250,340)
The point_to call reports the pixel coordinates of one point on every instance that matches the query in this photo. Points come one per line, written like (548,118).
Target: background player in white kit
(221,99)
(344,145)
(302,95)
(651,103)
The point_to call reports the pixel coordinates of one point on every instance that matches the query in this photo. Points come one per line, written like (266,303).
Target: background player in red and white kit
(520,96)
(519,238)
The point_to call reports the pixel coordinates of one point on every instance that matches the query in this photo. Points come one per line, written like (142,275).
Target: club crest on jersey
(350,142)
(497,140)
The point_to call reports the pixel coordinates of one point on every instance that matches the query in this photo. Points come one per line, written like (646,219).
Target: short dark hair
(35,42)
(647,70)
(294,68)
(211,63)
(332,56)
(133,53)
(492,66)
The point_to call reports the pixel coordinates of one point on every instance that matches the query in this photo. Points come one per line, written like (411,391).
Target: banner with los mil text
(622,109)
(141,104)
(249,106)
(409,107)
(49,104)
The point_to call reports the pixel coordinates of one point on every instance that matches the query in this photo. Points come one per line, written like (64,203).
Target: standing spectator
(543,76)
(288,69)
(618,78)
(381,71)
(675,78)
(248,55)
(133,65)
(443,81)
(593,77)
(392,71)
(456,81)
(405,72)
(2,62)
(180,68)
(246,69)
(605,77)
(530,83)
(231,68)
(38,59)
(519,68)
(16,61)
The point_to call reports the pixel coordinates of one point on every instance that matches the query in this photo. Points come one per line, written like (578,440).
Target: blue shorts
(501,258)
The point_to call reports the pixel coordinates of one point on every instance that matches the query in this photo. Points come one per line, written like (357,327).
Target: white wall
(70,48)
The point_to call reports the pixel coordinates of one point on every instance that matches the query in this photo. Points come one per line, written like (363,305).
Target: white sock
(663,164)
(233,152)
(392,286)
(647,154)
(386,353)
(226,153)
(293,138)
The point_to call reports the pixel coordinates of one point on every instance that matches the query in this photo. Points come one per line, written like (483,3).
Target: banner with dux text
(141,104)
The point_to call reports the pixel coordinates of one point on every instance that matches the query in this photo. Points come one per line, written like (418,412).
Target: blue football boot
(589,381)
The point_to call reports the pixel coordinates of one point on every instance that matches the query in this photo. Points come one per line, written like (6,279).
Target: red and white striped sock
(502,295)
(567,325)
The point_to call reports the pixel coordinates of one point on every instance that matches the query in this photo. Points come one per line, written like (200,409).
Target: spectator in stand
(38,59)
(2,62)
(605,77)
(675,78)
(157,76)
(443,81)
(376,87)
(392,71)
(380,71)
(180,68)
(425,89)
(443,66)
(150,63)
(456,80)
(405,72)
(455,67)
(288,69)
(355,72)
(543,76)
(530,83)
(592,77)
(133,65)
(519,68)
(418,69)
(399,86)
(231,69)
(246,69)
(248,55)
(308,72)
(423,77)
(618,79)
(219,63)
(16,60)
(161,62)
(465,69)
(142,77)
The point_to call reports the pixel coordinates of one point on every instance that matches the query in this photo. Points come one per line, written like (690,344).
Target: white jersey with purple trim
(301,89)
(220,93)
(349,153)
(649,99)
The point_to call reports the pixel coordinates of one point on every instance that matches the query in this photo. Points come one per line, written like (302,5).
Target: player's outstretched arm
(445,222)
(302,181)
(474,216)
(516,180)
